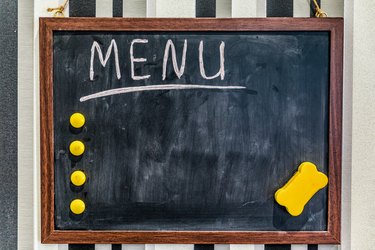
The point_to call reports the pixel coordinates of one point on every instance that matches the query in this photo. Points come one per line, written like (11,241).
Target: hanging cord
(318,11)
(59,11)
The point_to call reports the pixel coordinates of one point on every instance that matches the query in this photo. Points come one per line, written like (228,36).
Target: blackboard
(200,149)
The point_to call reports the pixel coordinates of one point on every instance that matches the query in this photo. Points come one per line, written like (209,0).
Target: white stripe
(241,247)
(298,247)
(104,8)
(261,8)
(103,247)
(222,247)
(31,139)
(155,88)
(334,8)
(328,247)
(223,8)
(66,12)
(246,247)
(25,131)
(248,8)
(301,8)
(363,124)
(151,8)
(149,247)
(347,130)
(244,8)
(133,247)
(63,247)
(134,8)
(258,247)
(175,8)
(173,247)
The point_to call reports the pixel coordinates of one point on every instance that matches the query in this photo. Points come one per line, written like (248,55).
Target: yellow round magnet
(77,206)
(78,178)
(77,148)
(77,120)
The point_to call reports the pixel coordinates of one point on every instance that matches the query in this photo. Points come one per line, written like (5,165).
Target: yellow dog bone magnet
(301,188)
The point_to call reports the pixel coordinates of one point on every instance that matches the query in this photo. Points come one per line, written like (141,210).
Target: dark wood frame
(48,232)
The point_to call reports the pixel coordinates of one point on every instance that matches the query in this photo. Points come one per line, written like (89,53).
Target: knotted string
(59,11)
(318,11)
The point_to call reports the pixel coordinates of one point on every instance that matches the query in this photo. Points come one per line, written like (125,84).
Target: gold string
(59,11)
(318,11)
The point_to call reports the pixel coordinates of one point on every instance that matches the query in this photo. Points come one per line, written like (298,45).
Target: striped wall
(28,193)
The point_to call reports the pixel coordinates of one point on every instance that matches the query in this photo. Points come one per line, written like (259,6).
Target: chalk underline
(155,88)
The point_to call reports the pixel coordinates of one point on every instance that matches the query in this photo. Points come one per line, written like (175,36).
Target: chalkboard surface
(192,159)
(193,131)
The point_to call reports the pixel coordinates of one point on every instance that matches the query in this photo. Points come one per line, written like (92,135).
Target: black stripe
(277,247)
(116,247)
(80,8)
(205,8)
(279,8)
(117,8)
(204,247)
(8,124)
(82,247)
(312,7)
(312,247)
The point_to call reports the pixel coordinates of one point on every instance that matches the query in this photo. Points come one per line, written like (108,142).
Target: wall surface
(356,198)
(363,146)
(26,148)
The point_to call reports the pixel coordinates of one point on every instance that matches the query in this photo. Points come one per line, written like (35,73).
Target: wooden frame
(48,232)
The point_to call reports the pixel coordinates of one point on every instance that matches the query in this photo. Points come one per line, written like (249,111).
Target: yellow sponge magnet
(301,188)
